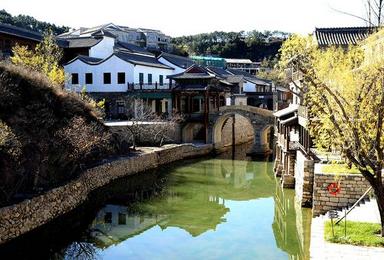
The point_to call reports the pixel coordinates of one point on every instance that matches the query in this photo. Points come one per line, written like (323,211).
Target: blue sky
(178,17)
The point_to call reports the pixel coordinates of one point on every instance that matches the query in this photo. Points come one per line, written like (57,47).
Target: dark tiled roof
(86,59)
(239,72)
(89,60)
(342,36)
(80,42)
(102,32)
(249,77)
(219,71)
(139,59)
(121,46)
(258,81)
(191,76)
(180,61)
(20,32)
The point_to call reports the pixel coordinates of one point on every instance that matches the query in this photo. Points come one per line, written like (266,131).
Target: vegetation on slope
(252,45)
(30,23)
(46,134)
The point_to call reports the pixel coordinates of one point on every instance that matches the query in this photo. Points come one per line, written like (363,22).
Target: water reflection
(209,204)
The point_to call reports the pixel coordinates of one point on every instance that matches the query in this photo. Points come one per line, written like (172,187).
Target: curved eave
(104,60)
(87,62)
(149,65)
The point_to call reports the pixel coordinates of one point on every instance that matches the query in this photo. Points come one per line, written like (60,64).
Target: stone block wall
(304,179)
(352,187)
(20,218)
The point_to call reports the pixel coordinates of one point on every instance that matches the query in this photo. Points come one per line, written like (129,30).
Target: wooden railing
(146,86)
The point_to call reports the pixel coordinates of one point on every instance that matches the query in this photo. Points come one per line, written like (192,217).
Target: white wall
(155,74)
(103,49)
(177,69)
(112,65)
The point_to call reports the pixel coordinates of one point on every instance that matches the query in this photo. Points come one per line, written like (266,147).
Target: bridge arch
(262,121)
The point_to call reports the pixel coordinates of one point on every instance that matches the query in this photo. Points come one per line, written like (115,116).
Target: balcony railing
(146,86)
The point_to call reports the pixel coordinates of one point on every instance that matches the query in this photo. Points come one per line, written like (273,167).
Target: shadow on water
(213,207)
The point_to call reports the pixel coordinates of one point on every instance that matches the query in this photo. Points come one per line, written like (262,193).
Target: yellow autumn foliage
(344,92)
(44,58)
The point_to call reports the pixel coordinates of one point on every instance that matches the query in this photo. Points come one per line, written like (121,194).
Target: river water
(212,208)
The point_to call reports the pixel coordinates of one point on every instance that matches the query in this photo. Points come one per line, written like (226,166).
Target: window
(121,78)
(88,78)
(75,79)
(107,78)
(149,79)
(122,219)
(141,78)
(161,80)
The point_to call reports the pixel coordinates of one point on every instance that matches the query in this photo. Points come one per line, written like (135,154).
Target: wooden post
(233,136)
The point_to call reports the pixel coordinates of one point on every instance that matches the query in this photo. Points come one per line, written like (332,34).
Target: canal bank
(23,217)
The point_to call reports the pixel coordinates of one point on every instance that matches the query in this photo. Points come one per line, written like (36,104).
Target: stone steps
(366,211)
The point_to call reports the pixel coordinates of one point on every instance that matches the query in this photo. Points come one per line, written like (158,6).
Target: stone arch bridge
(262,122)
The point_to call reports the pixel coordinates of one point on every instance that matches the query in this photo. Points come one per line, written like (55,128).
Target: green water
(202,209)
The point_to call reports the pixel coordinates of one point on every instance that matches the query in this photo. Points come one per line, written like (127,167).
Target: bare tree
(373,15)
(148,124)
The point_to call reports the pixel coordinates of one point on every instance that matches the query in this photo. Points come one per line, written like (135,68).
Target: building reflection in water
(194,199)
(291,224)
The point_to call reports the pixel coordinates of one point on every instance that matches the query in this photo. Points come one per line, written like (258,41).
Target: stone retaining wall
(352,187)
(20,218)
(304,175)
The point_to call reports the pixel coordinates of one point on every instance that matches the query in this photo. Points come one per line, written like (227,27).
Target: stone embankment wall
(243,131)
(304,175)
(353,187)
(20,218)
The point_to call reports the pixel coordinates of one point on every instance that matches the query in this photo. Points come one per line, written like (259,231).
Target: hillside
(252,45)
(30,23)
(46,134)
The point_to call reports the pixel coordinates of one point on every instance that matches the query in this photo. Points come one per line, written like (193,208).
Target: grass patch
(358,233)
(339,168)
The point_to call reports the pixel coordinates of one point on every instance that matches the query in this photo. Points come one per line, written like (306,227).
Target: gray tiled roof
(81,42)
(249,77)
(89,60)
(139,59)
(342,36)
(219,71)
(102,32)
(20,32)
(131,48)
(258,81)
(180,61)
(191,76)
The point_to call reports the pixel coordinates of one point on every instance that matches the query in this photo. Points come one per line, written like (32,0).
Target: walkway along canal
(213,208)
